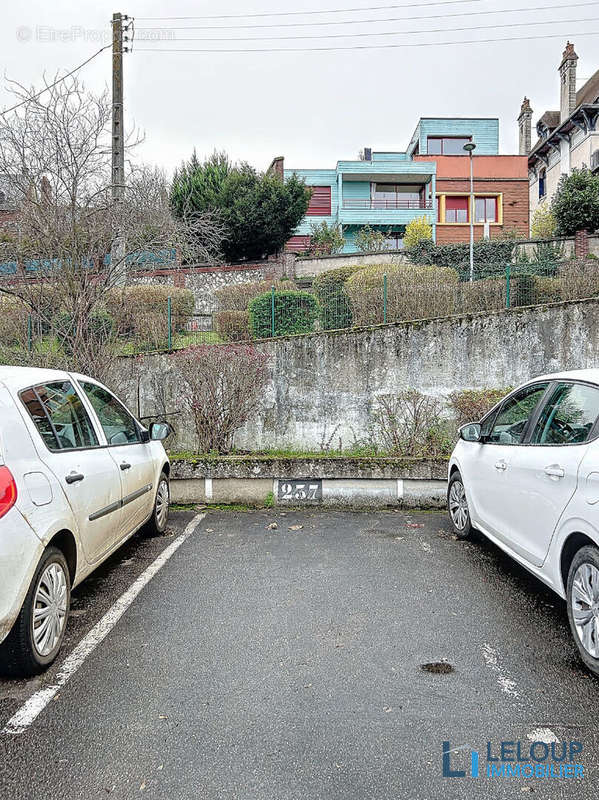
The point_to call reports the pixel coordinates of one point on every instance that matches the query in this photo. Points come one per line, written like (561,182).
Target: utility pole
(118,143)
(117,255)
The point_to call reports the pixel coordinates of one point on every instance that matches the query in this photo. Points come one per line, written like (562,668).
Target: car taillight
(8,491)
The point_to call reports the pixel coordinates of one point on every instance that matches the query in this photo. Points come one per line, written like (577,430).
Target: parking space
(305,655)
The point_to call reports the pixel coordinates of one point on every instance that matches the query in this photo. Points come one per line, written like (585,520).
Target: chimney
(567,77)
(277,167)
(524,121)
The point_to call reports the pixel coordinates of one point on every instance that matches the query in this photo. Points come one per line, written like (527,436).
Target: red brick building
(500,196)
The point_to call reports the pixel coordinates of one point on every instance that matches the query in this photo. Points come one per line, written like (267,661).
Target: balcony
(387,205)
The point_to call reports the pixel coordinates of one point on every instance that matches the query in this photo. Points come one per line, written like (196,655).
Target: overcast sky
(312,107)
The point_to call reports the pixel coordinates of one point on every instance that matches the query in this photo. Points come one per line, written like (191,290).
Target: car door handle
(501,465)
(125,466)
(74,477)
(555,471)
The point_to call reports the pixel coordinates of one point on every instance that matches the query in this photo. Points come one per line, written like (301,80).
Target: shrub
(295,312)
(575,205)
(232,326)
(100,327)
(412,424)
(471,405)
(413,292)
(579,279)
(325,239)
(238,296)
(490,256)
(370,240)
(335,308)
(140,312)
(13,321)
(544,223)
(220,386)
(418,230)
(488,294)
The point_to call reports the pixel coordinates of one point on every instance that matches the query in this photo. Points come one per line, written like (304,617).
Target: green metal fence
(373,295)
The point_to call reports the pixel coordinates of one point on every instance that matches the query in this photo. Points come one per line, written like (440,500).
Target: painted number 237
(299,491)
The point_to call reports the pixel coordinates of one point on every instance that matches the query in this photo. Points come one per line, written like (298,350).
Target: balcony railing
(378,203)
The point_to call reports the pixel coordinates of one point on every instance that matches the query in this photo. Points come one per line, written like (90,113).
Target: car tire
(583,585)
(27,650)
(457,506)
(157,523)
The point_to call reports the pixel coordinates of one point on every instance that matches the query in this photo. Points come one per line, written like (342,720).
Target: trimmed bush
(295,312)
(490,256)
(335,308)
(140,311)
(13,321)
(232,326)
(488,294)
(413,292)
(238,296)
(579,279)
(100,327)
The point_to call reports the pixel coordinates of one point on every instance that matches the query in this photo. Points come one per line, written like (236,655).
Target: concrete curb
(328,492)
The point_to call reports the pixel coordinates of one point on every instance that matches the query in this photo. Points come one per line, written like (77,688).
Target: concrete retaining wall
(323,388)
(311,267)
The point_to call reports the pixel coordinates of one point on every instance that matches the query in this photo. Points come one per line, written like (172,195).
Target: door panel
(545,472)
(132,457)
(68,445)
(488,467)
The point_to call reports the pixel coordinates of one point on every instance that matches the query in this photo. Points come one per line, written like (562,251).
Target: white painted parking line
(30,710)
(493,662)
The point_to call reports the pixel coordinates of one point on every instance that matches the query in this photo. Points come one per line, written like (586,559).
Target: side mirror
(159,431)
(471,432)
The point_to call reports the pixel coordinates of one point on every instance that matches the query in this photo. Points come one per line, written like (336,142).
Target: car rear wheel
(159,519)
(457,505)
(36,637)
(583,604)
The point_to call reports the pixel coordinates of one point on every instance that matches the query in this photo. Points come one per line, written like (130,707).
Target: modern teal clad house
(387,190)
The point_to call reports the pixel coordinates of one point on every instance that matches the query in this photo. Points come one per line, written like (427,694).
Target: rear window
(59,416)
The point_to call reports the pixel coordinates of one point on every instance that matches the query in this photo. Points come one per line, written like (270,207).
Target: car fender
(574,523)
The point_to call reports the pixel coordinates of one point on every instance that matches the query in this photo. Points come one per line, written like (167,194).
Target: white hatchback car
(527,477)
(78,475)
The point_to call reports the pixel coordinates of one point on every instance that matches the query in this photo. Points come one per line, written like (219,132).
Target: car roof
(589,375)
(20,377)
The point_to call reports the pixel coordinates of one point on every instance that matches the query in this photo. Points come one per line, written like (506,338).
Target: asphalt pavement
(330,657)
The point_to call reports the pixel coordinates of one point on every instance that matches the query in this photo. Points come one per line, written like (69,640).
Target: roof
(589,93)
(589,375)
(551,119)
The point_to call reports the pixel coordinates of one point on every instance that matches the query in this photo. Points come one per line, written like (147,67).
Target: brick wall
(515,208)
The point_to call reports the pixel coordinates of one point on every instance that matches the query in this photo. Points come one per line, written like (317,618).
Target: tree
(259,211)
(576,203)
(417,230)
(543,223)
(370,240)
(55,151)
(325,239)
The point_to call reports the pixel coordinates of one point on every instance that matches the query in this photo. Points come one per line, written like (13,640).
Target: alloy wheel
(162,501)
(584,604)
(458,505)
(49,609)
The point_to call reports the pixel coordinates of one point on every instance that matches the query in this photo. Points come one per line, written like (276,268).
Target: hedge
(413,292)
(335,309)
(490,256)
(238,296)
(232,326)
(13,321)
(295,312)
(140,311)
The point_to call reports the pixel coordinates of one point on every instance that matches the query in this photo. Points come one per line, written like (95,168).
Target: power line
(307,13)
(56,82)
(363,46)
(367,21)
(394,33)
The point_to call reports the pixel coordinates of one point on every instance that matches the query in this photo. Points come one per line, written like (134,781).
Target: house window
(485,209)
(542,183)
(393,241)
(447,145)
(397,195)
(456,209)
(320,202)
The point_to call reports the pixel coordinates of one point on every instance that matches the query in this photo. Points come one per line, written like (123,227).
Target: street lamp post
(469,147)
